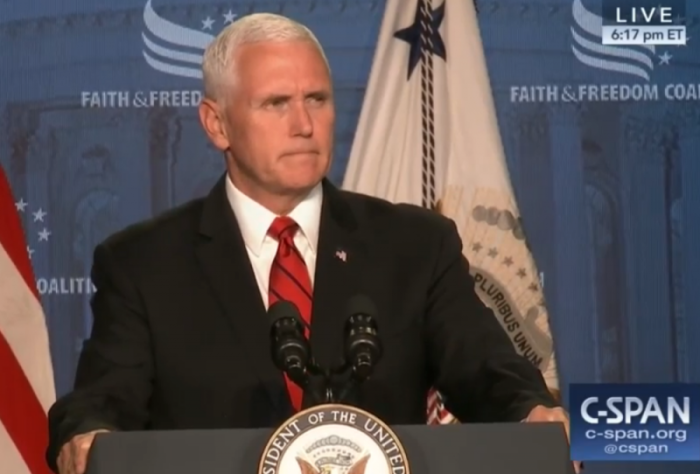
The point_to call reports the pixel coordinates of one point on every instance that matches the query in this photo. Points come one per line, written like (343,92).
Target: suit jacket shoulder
(409,222)
(161,236)
(410,236)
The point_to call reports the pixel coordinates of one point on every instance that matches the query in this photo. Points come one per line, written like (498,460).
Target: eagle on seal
(357,468)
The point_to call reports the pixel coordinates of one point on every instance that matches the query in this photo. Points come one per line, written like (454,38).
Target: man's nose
(301,123)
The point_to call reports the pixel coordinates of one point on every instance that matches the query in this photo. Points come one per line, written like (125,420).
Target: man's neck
(279,204)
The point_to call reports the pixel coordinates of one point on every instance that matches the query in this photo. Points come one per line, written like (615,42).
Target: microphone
(290,348)
(363,349)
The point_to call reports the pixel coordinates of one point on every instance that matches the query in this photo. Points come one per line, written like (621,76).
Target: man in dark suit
(180,336)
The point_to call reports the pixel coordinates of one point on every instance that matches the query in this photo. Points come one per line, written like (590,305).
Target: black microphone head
(283,309)
(362,345)
(360,304)
(289,347)
(360,310)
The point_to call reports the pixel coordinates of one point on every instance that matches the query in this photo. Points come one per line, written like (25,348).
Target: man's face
(278,118)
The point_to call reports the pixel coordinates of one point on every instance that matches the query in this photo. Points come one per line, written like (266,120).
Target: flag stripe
(10,459)
(12,238)
(23,328)
(26,377)
(21,413)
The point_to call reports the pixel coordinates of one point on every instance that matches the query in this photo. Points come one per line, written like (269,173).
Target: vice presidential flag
(428,135)
(26,376)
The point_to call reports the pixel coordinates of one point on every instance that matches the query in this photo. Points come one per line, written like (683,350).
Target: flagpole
(427,104)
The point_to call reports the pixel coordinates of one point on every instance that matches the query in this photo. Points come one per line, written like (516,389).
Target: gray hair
(218,63)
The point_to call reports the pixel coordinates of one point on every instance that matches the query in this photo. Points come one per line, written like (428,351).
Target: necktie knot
(282,228)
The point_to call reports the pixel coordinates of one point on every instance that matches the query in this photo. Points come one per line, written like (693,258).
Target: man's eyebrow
(321,92)
(275,98)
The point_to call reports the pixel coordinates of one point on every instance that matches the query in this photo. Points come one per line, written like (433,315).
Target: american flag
(437,413)
(26,375)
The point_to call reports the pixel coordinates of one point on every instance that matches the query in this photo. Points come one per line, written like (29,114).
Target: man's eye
(275,103)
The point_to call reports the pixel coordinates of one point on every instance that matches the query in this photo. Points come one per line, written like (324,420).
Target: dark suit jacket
(181,340)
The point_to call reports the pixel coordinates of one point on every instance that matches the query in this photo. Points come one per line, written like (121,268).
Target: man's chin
(302,175)
(295,185)
(301,162)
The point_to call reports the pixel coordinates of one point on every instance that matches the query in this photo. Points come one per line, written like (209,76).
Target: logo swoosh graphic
(606,57)
(173,58)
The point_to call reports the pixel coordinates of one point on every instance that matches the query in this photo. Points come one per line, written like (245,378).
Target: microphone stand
(349,387)
(327,396)
(326,393)
(328,384)
(327,375)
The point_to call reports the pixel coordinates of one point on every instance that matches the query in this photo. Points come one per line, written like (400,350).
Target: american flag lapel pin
(342,255)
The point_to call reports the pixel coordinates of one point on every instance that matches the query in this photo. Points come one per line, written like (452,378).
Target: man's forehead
(287,78)
(281,49)
(282,68)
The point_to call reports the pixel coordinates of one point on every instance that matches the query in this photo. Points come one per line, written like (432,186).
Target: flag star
(39,215)
(508,261)
(21,205)
(477,247)
(44,235)
(493,252)
(207,23)
(665,58)
(412,36)
(229,16)
(533,287)
(522,273)
(30,251)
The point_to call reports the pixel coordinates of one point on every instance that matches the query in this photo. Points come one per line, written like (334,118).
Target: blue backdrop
(98,129)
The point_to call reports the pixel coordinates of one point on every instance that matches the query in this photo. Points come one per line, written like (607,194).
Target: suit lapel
(222,256)
(340,265)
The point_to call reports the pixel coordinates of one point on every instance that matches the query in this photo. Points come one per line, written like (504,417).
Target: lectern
(512,448)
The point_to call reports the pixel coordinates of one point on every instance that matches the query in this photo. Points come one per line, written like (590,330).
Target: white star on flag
(44,235)
(37,216)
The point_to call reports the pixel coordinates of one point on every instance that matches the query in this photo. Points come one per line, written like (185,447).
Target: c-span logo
(635,422)
(334,439)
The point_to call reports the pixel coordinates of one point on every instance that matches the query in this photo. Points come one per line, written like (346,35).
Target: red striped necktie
(289,280)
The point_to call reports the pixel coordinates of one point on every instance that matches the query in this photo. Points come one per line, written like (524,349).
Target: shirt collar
(254,220)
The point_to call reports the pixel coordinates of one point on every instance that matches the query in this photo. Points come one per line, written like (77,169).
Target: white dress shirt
(255,220)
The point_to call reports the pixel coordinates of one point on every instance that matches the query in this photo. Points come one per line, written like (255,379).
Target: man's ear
(211,118)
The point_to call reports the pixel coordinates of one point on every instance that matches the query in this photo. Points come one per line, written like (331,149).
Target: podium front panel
(516,448)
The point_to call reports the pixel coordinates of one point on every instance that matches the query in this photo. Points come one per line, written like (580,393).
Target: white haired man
(180,334)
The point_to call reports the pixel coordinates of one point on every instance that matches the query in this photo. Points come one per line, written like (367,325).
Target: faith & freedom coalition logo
(170,48)
(638,64)
(334,439)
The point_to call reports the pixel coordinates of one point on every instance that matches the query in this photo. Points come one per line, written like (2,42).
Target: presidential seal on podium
(334,439)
